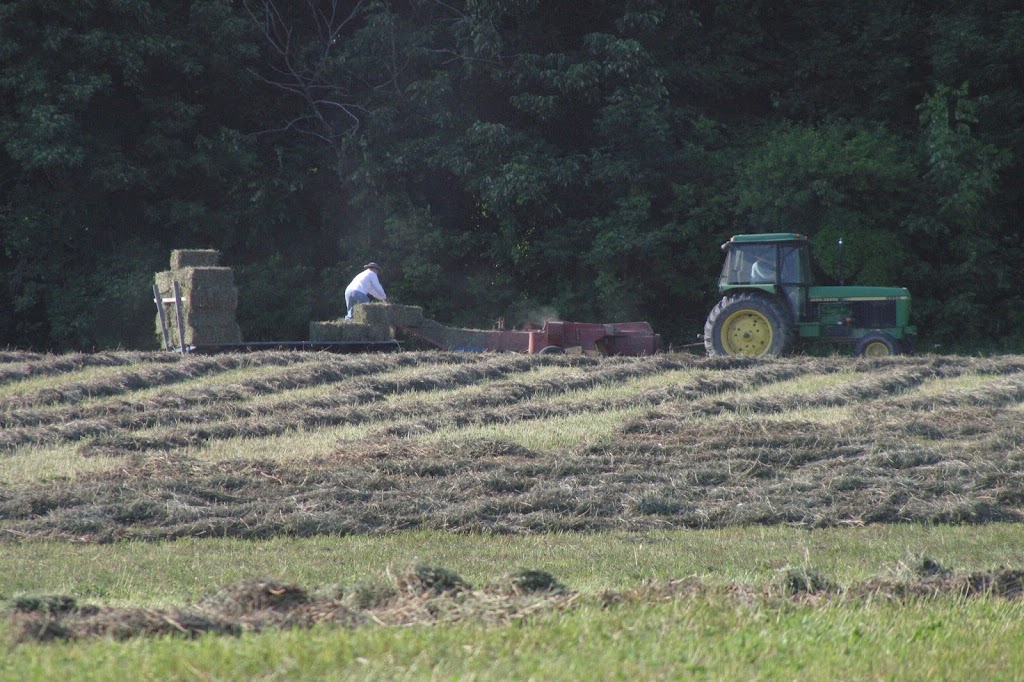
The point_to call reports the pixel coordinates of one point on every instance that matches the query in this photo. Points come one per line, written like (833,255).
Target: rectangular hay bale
(213,332)
(201,288)
(209,288)
(467,339)
(209,299)
(388,315)
(454,338)
(188,258)
(202,333)
(342,330)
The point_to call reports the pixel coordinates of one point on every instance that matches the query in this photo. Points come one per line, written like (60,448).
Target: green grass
(708,634)
(699,638)
(655,443)
(163,573)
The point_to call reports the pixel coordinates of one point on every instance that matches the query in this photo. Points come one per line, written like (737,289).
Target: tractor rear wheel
(877,345)
(749,324)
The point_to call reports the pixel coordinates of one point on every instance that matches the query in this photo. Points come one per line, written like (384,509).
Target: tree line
(504,158)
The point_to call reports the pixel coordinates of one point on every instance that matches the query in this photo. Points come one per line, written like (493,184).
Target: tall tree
(118,136)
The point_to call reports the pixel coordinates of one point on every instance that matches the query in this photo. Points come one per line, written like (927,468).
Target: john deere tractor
(769,302)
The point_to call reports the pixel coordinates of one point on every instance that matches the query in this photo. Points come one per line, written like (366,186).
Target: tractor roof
(768,237)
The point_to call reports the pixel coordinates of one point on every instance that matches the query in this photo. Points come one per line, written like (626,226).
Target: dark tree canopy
(504,158)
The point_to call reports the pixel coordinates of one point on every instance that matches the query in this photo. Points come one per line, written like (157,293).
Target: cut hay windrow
(142,379)
(33,427)
(7,356)
(1005,391)
(223,422)
(273,420)
(425,596)
(700,452)
(54,365)
(210,405)
(420,596)
(507,403)
(700,474)
(872,387)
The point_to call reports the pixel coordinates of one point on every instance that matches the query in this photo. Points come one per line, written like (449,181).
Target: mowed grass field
(448,515)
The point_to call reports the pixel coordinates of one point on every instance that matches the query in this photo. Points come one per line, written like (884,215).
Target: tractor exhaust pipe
(841,258)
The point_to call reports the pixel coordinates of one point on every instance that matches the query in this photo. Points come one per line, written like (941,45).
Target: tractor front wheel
(877,345)
(749,324)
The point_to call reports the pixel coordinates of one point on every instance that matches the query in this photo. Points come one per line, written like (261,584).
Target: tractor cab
(769,302)
(773,263)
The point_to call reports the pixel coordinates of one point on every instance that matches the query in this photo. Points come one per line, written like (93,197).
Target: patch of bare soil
(424,595)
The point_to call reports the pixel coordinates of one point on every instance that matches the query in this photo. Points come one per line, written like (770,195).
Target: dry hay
(214,406)
(192,258)
(370,322)
(695,456)
(421,595)
(7,356)
(255,595)
(387,315)
(139,377)
(209,301)
(428,596)
(345,330)
(452,337)
(30,366)
(221,422)
(203,290)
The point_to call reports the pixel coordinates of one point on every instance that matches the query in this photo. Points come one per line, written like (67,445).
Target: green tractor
(768,303)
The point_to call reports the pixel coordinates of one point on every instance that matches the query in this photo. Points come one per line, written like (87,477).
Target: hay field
(155,446)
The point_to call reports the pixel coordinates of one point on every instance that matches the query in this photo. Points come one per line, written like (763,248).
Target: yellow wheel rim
(876,349)
(747,332)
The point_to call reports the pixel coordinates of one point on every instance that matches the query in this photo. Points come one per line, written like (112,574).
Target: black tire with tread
(877,344)
(762,309)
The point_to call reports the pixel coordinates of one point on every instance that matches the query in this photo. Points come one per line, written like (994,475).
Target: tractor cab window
(796,266)
(750,264)
(795,276)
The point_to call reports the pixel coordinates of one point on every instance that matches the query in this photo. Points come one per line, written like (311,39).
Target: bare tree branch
(305,73)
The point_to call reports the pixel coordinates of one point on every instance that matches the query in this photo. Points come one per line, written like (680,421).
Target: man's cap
(371,266)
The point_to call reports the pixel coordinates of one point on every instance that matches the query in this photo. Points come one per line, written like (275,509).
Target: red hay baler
(621,338)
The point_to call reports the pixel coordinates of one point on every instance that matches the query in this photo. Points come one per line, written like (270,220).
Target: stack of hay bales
(209,299)
(375,322)
(370,322)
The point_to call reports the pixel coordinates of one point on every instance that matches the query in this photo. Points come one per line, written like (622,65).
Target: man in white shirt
(762,270)
(365,284)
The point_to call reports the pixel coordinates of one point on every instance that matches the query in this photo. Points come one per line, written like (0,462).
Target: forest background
(504,158)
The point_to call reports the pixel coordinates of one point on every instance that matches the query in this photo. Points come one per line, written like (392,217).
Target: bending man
(365,284)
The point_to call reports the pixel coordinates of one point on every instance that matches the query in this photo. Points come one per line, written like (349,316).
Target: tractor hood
(853,293)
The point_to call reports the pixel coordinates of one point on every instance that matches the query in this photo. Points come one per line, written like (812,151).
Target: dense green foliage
(503,158)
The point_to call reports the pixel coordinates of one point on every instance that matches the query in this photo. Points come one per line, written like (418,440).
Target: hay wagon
(196,301)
